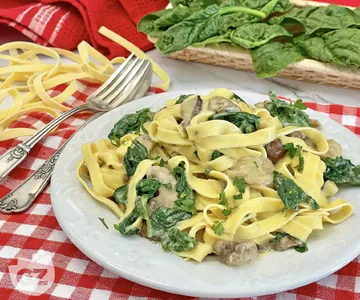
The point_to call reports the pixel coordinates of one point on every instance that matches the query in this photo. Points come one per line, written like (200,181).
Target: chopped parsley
(218,228)
(240,184)
(103,222)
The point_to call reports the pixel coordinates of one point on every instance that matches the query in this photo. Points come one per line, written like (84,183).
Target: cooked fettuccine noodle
(212,174)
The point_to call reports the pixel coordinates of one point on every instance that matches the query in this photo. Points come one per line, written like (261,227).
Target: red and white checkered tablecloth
(37,234)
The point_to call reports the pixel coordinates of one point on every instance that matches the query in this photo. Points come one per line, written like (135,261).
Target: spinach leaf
(195,5)
(172,17)
(141,204)
(341,47)
(246,122)
(287,113)
(216,154)
(240,184)
(164,218)
(271,58)
(263,5)
(342,171)
(136,153)
(130,123)
(124,226)
(218,228)
(200,26)
(177,241)
(319,18)
(182,98)
(291,194)
(295,151)
(357,11)
(186,201)
(213,40)
(147,187)
(102,220)
(253,35)
(303,248)
(147,23)
(120,194)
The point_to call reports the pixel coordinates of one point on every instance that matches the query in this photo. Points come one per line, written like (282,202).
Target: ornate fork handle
(14,156)
(22,198)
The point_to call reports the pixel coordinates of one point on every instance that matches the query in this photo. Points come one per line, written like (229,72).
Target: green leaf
(186,199)
(124,226)
(120,194)
(295,151)
(271,58)
(342,171)
(103,222)
(216,154)
(300,105)
(213,40)
(287,113)
(204,24)
(164,218)
(147,23)
(130,123)
(172,17)
(340,47)
(263,5)
(146,187)
(136,153)
(291,194)
(141,204)
(223,200)
(182,98)
(303,248)
(195,5)
(218,228)
(240,184)
(248,123)
(227,211)
(177,241)
(319,18)
(253,35)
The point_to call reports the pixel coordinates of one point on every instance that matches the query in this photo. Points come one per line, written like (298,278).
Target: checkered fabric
(36,233)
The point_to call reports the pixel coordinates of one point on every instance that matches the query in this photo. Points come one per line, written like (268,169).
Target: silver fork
(25,194)
(130,81)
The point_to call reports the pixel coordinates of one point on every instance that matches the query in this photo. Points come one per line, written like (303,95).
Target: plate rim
(106,263)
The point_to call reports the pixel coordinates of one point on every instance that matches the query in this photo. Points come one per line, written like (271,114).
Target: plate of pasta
(212,193)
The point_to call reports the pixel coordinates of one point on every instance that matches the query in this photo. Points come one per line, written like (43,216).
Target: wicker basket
(228,56)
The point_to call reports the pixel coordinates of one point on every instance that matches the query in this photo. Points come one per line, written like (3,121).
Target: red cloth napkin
(65,24)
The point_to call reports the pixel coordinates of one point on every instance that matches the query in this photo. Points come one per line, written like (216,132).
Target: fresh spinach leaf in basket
(279,6)
(130,123)
(271,58)
(319,18)
(340,47)
(342,171)
(172,17)
(253,35)
(147,24)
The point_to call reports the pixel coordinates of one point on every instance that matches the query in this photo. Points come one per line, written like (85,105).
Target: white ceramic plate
(139,260)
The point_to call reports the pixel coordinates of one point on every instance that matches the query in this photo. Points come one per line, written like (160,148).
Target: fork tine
(113,77)
(118,80)
(138,70)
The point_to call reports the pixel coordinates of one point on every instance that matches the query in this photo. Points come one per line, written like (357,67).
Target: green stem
(236,9)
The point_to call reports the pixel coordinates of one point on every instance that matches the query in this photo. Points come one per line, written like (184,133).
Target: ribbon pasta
(255,214)
(29,80)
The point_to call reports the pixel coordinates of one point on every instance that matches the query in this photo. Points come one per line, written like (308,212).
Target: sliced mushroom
(166,197)
(314,123)
(143,233)
(189,109)
(236,253)
(284,243)
(300,135)
(218,104)
(275,151)
(334,151)
(146,140)
(254,170)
